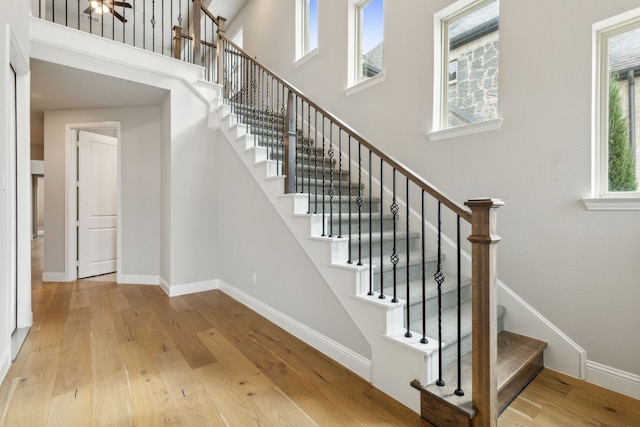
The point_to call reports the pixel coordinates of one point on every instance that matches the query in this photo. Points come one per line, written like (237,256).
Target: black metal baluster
(162,30)
(323,176)
(283,114)
(78,12)
(423,340)
(113,26)
(331,189)
(153,25)
(340,183)
(408,333)
(439,276)
(309,147)
(144,25)
(360,201)
(382,295)
(134,21)
(315,161)
(394,256)
(349,261)
(53,11)
(459,391)
(101,21)
(370,293)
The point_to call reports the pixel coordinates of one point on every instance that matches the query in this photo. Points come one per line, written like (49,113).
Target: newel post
(197,20)
(290,144)
(483,240)
(220,49)
(177,38)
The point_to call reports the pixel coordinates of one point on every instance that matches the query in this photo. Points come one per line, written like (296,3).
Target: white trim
(311,54)
(5,364)
(365,84)
(54,277)
(613,379)
(562,353)
(190,288)
(166,287)
(466,130)
(137,279)
(612,203)
(37,167)
(338,352)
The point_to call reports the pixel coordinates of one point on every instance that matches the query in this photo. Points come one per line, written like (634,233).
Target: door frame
(71,201)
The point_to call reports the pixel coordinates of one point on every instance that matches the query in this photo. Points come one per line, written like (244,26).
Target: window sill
(471,129)
(304,59)
(615,203)
(364,84)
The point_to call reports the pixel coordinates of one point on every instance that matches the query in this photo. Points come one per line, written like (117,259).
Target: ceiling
(56,87)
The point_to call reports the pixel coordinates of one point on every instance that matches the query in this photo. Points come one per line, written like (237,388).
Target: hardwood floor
(102,354)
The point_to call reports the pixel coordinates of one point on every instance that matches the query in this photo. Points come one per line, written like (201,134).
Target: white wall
(253,238)
(578,268)
(14,49)
(140,190)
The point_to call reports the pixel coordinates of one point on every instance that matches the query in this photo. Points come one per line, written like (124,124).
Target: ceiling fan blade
(121,4)
(116,14)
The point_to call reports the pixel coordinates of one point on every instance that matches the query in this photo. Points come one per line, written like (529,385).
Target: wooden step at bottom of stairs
(520,360)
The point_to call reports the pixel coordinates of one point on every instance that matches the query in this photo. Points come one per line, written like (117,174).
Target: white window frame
(303,53)
(439,130)
(356,82)
(601,198)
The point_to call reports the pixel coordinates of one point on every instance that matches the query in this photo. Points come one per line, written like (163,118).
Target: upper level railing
(182,29)
(351,183)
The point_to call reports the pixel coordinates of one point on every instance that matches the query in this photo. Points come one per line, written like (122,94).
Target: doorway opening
(92,245)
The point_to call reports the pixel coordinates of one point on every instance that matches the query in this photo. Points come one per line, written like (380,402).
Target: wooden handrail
(209,14)
(457,208)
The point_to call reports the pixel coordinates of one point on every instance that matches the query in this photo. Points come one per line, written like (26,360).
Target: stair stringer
(395,359)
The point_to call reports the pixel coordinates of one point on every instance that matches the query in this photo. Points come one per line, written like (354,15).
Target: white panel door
(97,204)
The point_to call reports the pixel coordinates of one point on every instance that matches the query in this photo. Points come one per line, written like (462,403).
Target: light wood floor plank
(102,354)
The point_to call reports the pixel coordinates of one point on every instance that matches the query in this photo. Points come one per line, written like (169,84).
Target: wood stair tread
(519,360)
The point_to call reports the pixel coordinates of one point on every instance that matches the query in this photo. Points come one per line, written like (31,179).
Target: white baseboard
(164,285)
(187,288)
(53,277)
(138,279)
(613,379)
(5,364)
(341,354)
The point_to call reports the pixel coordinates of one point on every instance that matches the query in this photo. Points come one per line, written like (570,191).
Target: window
(370,30)
(467,48)
(306,27)
(616,112)
(366,25)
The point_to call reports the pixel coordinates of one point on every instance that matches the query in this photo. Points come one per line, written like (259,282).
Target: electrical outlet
(254,279)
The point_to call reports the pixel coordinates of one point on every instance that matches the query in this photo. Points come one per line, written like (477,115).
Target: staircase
(259,136)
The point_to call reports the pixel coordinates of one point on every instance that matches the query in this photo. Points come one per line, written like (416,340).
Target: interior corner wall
(578,268)
(140,186)
(165,191)
(253,239)
(193,204)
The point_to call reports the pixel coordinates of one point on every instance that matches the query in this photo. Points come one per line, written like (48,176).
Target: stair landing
(520,359)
